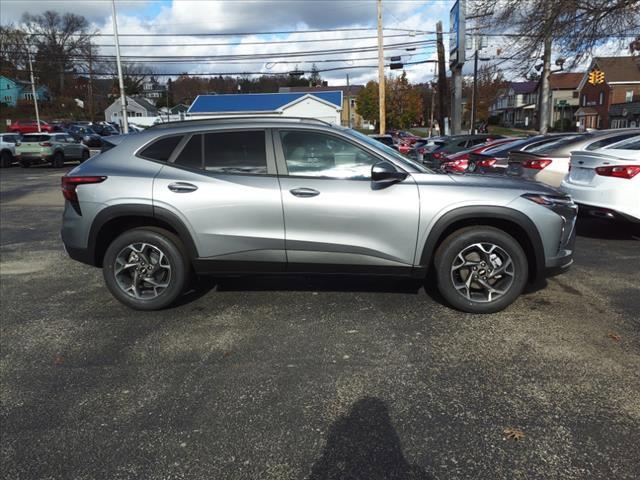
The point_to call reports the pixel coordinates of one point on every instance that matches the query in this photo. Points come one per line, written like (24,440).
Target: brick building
(609,81)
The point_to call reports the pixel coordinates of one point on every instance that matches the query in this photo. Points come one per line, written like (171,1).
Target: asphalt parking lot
(311,377)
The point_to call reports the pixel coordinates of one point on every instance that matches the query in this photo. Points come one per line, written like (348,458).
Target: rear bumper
(83,255)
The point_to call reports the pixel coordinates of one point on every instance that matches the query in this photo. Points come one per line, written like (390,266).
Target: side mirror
(386,174)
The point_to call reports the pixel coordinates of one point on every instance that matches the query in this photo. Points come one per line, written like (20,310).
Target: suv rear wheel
(5,159)
(481,269)
(146,268)
(58,160)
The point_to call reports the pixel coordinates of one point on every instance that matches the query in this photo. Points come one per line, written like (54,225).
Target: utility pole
(456,101)
(433,94)
(381,88)
(90,86)
(348,103)
(33,91)
(474,95)
(442,79)
(544,89)
(123,96)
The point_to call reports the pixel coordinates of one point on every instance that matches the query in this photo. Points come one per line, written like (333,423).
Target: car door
(223,186)
(71,146)
(333,213)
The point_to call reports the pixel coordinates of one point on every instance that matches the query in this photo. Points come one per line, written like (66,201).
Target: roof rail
(230,119)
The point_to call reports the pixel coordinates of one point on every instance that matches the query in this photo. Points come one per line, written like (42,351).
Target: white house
(325,106)
(136,107)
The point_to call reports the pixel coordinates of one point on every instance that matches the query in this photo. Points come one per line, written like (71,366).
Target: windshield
(389,151)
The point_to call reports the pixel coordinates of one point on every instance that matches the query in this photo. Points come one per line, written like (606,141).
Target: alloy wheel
(142,271)
(482,272)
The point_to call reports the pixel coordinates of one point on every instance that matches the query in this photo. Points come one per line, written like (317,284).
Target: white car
(8,142)
(606,182)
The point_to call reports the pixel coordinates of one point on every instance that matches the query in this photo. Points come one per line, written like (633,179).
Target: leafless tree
(574,28)
(62,43)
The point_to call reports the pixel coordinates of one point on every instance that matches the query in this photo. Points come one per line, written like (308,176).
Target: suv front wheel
(146,268)
(481,269)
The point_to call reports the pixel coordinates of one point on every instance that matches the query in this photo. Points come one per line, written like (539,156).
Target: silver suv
(276,195)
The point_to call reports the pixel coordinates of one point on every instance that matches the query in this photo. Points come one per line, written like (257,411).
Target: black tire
(6,159)
(456,243)
(58,160)
(85,155)
(170,246)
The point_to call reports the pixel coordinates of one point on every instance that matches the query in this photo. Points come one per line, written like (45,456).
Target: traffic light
(596,77)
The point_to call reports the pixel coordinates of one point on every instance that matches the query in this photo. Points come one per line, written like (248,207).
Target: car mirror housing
(385,173)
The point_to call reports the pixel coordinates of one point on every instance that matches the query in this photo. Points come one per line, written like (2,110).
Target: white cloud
(188,16)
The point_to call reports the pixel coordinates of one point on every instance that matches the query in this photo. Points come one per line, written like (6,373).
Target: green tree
(403,102)
(367,102)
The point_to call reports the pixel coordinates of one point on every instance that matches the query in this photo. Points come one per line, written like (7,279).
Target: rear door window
(191,154)
(235,152)
(161,149)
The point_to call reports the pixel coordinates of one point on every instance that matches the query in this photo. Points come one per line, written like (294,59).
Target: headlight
(550,200)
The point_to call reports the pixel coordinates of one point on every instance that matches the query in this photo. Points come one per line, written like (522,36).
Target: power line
(260,56)
(177,74)
(227,34)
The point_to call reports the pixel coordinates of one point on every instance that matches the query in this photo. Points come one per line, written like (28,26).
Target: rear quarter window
(609,140)
(161,149)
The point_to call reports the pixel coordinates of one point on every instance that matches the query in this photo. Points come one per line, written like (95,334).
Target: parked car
(495,159)
(550,163)
(213,196)
(435,153)
(53,148)
(85,134)
(606,182)
(103,129)
(30,126)
(458,162)
(386,139)
(8,144)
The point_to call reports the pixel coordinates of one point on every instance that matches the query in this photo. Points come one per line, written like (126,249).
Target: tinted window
(37,138)
(10,138)
(608,141)
(161,149)
(632,143)
(235,152)
(319,155)
(561,142)
(191,154)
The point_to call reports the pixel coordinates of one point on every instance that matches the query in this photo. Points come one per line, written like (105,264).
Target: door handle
(182,187)
(304,192)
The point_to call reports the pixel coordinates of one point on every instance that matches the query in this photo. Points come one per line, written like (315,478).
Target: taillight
(421,150)
(456,165)
(536,164)
(622,171)
(487,162)
(437,155)
(46,144)
(69,185)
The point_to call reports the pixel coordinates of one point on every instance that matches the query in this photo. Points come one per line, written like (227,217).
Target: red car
(458,162)
(30,126)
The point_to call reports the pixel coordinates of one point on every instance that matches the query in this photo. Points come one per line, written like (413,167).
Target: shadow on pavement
(607,229)
(364,445)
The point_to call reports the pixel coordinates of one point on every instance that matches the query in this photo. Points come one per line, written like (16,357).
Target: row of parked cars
(599,169)
(55,143)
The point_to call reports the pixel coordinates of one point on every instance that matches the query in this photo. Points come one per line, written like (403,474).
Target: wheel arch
(114,220)
(511,221)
